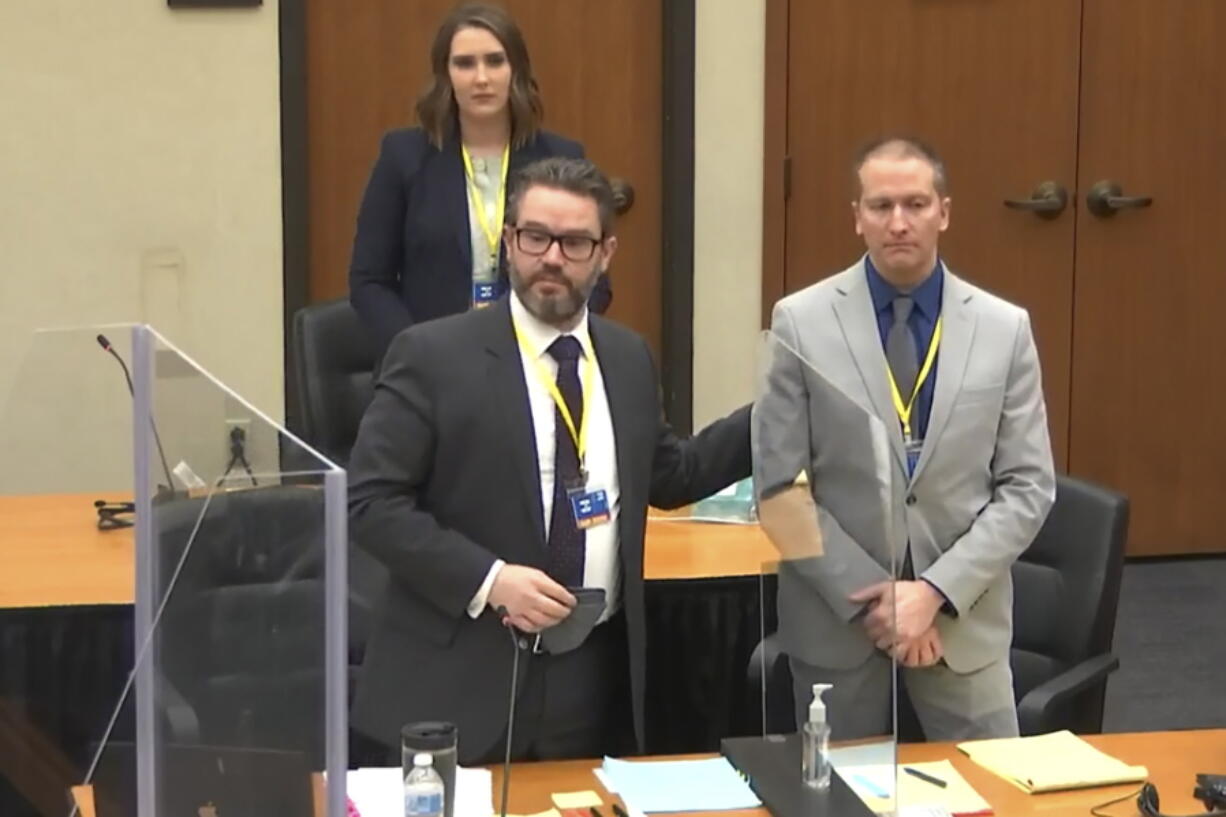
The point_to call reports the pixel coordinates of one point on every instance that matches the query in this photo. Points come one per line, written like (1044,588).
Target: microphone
(506,763)
(106,346)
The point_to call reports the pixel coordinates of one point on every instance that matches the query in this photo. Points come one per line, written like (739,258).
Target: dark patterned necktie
(566,539)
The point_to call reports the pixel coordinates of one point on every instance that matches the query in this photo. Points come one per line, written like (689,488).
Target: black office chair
(334,362)
(240,644)
(1066,592)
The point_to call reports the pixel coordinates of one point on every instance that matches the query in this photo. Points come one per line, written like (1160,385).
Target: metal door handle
(1047,201)
(1104,199)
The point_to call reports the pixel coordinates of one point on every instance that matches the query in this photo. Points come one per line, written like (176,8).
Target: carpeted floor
(1170,636)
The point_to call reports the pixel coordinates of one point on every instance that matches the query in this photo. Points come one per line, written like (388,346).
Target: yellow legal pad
(1052,762)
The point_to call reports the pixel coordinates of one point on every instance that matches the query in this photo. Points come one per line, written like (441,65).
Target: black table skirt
(700,635)
(62,670)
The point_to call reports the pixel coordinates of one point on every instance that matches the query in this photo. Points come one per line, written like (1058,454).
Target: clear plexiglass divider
(825,483)
(151,484)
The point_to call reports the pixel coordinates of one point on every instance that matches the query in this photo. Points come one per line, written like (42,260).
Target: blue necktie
(566,539)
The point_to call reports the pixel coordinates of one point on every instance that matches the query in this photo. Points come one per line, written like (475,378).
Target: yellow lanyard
(550,383)
(904,411)
(492,231)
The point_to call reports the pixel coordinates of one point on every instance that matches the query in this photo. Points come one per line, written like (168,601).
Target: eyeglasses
(538,242)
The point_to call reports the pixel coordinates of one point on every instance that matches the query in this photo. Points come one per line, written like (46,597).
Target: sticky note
(553,812)
(576,799)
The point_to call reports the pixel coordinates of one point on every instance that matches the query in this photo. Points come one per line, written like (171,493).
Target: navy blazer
(412,255)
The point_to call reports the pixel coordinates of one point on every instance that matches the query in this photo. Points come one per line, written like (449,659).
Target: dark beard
(556,310)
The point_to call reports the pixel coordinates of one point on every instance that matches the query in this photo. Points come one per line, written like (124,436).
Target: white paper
(604,780)
(924,811)
(876,781)
(864,754)
(681,785)
(380,792)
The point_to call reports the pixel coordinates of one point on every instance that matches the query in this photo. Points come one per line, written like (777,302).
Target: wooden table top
(676,548)
(53,554)
(1173,759)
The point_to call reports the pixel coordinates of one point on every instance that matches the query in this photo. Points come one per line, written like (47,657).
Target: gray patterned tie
(903,356)
(900,349)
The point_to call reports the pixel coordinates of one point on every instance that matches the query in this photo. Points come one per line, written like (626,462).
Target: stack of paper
(1053,762)
(875,785)
(679,785)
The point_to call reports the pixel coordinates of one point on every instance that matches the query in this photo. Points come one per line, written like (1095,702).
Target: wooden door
(599,65)
(992,84)
(1148,396)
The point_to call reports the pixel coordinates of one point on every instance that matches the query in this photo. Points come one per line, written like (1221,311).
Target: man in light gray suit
(916,552)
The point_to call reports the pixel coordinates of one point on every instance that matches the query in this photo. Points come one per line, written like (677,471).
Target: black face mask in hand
(572,631)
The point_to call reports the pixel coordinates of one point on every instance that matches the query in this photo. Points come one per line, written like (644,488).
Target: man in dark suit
(510,454)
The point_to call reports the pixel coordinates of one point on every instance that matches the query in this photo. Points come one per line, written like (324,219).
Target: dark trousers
(572,705)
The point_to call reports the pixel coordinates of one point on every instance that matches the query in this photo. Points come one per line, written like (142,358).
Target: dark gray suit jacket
(444,480)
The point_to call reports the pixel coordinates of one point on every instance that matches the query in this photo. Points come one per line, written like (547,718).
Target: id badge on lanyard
(484,293)
(590,508)
(913,445)
(913,448)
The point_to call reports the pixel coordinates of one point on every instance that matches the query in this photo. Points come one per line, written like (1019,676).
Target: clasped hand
(900,620)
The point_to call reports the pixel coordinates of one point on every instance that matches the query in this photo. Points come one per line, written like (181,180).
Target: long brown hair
(436,107)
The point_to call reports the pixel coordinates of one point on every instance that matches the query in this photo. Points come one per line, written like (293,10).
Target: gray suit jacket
(981,489)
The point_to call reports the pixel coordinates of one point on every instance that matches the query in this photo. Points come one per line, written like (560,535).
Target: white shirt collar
(540,335)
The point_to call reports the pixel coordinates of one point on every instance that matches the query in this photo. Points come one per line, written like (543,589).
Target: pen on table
(927,778)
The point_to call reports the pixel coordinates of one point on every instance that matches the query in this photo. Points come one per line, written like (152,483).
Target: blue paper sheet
(680,785)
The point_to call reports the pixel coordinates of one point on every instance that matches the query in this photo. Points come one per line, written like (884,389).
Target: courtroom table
(66,622)
(1173,760)
(65,636)
(710,599)
(55,556)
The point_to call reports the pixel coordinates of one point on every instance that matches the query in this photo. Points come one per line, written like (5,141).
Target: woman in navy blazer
(413,256)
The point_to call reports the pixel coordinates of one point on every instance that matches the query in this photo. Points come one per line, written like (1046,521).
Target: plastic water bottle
(423,789)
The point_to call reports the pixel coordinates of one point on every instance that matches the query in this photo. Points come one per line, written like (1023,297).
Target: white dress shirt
(601,567)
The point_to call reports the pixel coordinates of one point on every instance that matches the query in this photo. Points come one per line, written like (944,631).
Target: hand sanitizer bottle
(815,746)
